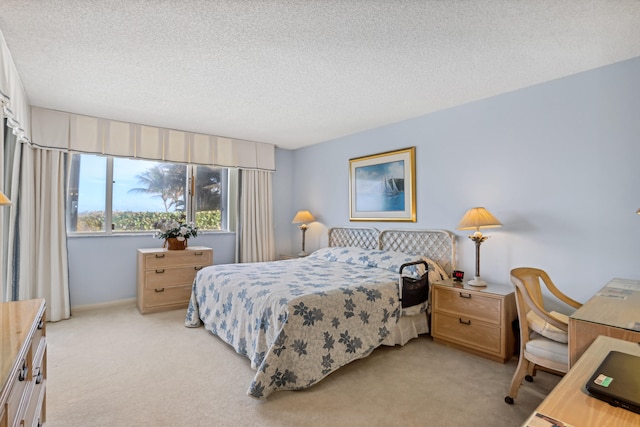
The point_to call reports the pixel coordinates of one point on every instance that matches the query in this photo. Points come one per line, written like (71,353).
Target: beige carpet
(115,367)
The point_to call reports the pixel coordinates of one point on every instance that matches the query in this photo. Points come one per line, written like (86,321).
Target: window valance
(84,134)
(14,102)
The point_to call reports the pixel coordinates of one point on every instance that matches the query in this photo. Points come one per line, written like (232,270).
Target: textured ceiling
(298,72)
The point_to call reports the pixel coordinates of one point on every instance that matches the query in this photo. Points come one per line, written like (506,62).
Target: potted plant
(175,232)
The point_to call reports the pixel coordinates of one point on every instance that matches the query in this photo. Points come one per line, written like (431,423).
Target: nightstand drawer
(467,331)
(167,297)
(177,258)
(164,277)
(470,304)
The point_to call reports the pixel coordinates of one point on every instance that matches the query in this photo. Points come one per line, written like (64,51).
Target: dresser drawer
(468,332)
(472,305)
(35,411)
(38,336)
(175,297)
(167,277)
(15,399)
(177,258)
(35,415)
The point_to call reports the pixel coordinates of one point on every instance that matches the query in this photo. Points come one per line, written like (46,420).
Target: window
(119,195)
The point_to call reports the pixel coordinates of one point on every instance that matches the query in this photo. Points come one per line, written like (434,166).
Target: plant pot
(173,244)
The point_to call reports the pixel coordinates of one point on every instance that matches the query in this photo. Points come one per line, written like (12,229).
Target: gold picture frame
(382,187)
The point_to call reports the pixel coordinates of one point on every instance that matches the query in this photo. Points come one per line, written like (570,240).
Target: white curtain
(4,226)
(11,176)
(256,216)
(43,266)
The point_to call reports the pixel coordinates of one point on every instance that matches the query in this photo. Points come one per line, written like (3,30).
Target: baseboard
(89,307)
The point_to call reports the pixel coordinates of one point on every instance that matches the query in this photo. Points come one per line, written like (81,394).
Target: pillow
(436,273)
(388,260)
(546,329)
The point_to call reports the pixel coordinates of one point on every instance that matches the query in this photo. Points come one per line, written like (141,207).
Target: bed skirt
(407,328)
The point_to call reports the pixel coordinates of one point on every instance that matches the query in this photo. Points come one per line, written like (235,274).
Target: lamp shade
(303,217)
(477,218)
(638,211)
(4,200)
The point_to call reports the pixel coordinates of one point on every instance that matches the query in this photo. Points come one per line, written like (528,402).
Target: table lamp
(4,200)
(303,217)
(475,219)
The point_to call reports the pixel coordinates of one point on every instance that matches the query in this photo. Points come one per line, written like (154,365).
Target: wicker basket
(173,244)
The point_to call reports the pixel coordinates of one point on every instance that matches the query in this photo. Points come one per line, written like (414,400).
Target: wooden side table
(165,276)
(473,319)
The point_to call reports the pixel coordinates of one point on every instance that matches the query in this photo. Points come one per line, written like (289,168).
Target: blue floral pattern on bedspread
(299,320)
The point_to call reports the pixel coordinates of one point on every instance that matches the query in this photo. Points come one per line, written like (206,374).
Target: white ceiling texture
(299,72)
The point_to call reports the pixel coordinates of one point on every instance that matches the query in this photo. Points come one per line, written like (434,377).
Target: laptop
(617,381)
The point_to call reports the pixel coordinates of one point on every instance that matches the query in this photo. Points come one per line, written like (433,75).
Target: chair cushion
(546,329)
(548,349)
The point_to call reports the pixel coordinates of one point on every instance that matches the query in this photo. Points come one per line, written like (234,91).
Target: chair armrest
(543,314)
(564,298)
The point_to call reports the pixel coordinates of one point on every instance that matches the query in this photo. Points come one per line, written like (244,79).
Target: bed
(298,320)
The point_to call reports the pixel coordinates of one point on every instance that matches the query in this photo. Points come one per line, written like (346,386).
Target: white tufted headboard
(438,245)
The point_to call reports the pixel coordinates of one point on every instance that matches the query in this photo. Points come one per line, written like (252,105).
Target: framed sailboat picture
(382,187)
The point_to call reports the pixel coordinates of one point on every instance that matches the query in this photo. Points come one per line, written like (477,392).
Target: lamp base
(477,282)
(303,254)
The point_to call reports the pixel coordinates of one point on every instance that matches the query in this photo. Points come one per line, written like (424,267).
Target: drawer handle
(468,322)
(199,267)
(22,375)
(160,271)
(467,296)
(41,323)
(159,290)
(159,255)
(198,253)
(38,375)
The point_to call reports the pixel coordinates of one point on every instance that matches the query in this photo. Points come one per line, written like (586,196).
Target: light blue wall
(103,269)
(557,163)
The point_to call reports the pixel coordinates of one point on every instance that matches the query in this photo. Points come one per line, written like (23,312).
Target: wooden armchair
(543,334)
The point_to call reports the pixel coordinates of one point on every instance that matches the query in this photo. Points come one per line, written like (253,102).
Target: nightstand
(477,320)
(165,276)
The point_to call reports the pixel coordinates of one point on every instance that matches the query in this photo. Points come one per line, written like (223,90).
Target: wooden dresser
(165,277)
(477,320)
(23,363)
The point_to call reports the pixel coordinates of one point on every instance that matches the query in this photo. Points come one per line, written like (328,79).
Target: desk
(613,312)
(571,403)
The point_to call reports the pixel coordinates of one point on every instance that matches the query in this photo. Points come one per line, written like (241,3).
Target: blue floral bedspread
(299,320)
